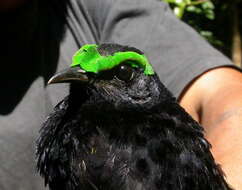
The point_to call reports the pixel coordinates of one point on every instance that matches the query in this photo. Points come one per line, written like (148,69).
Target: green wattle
(90,60)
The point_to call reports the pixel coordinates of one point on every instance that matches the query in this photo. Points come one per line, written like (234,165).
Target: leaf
(191,8)
(208,5)
(170,1)
(210,15)
(177,11)
(179,1)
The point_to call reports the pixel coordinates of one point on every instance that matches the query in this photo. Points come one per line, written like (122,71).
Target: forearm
(215,100)
(222,119)
(226,140)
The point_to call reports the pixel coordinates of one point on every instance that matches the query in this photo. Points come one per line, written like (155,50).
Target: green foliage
(201,7)
(200,14)
(213,19)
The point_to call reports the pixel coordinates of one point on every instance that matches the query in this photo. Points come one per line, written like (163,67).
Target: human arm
(215,100)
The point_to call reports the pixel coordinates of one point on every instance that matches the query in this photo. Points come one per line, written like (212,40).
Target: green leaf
(206,33)
(210,14)
(178,2)
(191,8)
(208,5)
(170,1)
(179,11)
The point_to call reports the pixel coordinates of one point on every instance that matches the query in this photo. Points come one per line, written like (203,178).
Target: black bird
(121,129)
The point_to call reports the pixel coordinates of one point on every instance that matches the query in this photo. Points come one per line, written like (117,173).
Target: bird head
(114,77)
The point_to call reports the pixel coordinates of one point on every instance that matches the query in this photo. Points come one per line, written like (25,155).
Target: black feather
(116,135)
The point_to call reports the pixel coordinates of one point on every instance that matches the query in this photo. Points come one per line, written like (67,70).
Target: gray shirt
(40,38)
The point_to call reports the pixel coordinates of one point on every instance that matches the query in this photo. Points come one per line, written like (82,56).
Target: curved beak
(69,75)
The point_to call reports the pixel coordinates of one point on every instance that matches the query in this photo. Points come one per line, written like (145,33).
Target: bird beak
(69,75)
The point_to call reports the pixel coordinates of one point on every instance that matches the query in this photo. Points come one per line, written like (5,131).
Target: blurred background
(218,21)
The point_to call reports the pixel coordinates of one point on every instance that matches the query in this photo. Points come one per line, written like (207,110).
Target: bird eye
(124,72)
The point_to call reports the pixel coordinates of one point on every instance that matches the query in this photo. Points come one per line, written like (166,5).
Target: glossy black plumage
(110,134)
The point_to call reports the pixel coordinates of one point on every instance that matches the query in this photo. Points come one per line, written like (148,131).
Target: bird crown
(90,60)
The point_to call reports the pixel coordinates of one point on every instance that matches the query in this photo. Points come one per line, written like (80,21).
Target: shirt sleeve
(175,50)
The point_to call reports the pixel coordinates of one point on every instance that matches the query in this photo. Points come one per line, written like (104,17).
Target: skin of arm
(214,99)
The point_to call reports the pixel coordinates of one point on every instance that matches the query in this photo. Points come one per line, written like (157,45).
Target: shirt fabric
(40,38)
